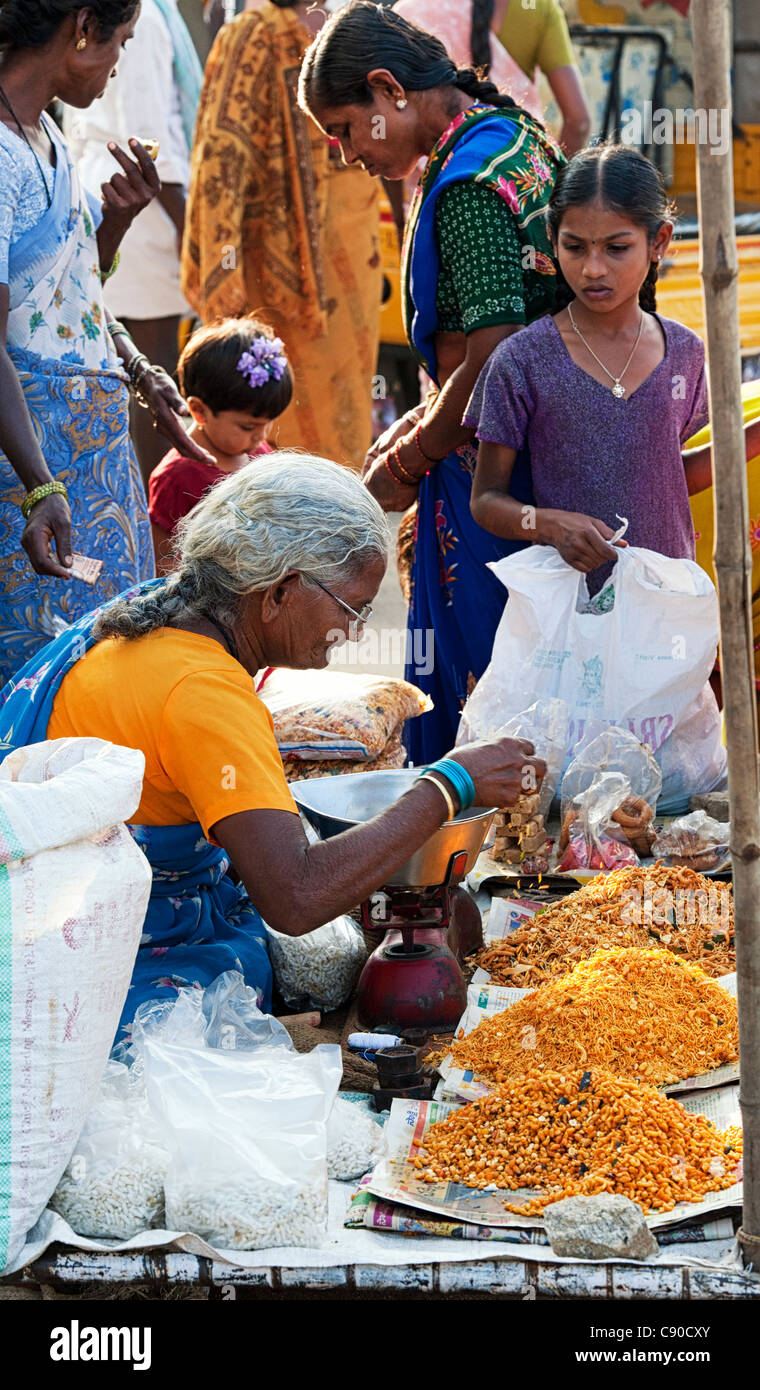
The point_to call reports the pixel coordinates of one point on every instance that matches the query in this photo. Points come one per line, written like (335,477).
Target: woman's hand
(502,771)
(128,193)
(395,431)
(166,405)
(49,520)
(583,541)
(392,496)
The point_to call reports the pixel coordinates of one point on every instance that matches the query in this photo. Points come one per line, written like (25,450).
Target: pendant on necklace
(618,390)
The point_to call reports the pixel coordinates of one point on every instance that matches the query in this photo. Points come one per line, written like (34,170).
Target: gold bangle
(38,493)
(437,782)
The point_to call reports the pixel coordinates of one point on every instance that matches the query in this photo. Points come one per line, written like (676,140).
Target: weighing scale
(412,979)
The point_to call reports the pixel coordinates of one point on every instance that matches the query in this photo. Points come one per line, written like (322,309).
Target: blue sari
(199,923)
(77,397)
(455,600)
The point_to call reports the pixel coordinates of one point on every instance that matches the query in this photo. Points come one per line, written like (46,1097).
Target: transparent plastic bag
(355,1142)
(695,841)
(320,969)
(113,1186)
(617,751)
(246,1128)
(590,837)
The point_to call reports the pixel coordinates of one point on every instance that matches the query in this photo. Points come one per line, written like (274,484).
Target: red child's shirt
(177,484)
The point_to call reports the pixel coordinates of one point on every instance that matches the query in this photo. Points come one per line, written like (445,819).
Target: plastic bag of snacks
(113,1186)
(74,888)
(631,821)
(695,841)
(589,832)
(320,969)
(394,756)
(331,715)
(354,1141)
(246,1130)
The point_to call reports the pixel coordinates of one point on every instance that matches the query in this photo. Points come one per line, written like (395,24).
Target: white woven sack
(74,889)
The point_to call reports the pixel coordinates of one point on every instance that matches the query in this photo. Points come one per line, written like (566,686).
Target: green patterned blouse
(481,280)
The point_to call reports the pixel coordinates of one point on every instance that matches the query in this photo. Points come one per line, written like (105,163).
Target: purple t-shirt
(589,451)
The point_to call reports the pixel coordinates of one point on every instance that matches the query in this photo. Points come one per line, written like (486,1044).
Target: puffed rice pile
(354,1141)
(320,969)
(247,1213)
(113,1202)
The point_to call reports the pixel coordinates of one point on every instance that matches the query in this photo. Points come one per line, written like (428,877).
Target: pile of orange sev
(643,1014)
(578,1133)
(675,908)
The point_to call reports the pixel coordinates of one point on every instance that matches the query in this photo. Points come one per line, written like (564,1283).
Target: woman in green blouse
(477,266)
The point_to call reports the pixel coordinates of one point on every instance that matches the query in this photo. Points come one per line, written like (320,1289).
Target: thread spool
(372,1042)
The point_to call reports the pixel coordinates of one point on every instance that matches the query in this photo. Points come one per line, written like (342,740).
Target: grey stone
(599,1228)
(714,803)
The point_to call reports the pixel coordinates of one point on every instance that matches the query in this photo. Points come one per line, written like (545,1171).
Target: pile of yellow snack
(676,908)
(578,1133)
(642,1014)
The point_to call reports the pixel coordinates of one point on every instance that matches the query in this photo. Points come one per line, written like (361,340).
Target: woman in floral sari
(476,268)
(64,426)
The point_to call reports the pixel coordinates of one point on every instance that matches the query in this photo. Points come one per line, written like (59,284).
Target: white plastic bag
(354,1141)
(642,663)
(320,969)
(246,1130)
(113,1186)
(74,889)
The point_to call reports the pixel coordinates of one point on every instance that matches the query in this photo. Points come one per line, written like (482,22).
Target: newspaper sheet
(485,1000)
(396,1180)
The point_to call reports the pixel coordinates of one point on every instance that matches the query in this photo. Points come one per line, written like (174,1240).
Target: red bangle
(394,476)
(412,481)
(426,457)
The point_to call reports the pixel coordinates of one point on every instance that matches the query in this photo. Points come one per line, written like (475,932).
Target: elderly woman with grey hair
(271,562)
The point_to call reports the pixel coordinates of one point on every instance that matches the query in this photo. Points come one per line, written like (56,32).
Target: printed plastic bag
(74,889)
(246,1130)
(113,1186)
(695,841)
(331,715)
(320,969)
(641,660)
(354,1141)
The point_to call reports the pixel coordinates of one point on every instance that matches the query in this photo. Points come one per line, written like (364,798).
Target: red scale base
(413,979)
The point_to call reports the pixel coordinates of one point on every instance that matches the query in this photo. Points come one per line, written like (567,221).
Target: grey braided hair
(284,512)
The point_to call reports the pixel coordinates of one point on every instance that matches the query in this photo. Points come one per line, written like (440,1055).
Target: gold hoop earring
(82,44)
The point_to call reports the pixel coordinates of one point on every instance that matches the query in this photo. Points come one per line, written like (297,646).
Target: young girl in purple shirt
(602,394)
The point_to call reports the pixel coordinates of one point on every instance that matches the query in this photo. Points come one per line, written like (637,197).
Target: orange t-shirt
(191,708)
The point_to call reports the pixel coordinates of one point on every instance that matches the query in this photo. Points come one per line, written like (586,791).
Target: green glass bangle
(38,493)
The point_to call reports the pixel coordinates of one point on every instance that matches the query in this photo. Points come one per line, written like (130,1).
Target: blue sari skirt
(81,419)
(455,602)
(198,924)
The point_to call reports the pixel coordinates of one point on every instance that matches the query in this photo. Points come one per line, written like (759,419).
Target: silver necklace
(617,387)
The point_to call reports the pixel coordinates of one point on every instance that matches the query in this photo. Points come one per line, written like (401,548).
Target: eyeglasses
(365,612)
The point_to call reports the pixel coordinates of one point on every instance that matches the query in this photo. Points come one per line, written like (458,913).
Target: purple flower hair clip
(264,361)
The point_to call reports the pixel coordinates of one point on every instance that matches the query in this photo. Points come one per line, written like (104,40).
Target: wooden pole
(711,27)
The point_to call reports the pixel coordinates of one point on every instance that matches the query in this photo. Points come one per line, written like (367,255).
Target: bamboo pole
(711,27)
